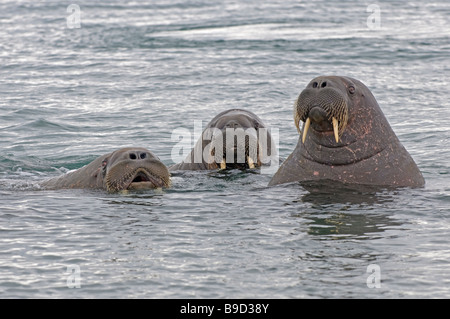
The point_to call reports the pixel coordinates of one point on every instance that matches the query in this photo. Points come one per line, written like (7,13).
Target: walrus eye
(351,89)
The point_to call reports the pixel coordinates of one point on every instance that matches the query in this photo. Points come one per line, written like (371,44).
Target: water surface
(134,72)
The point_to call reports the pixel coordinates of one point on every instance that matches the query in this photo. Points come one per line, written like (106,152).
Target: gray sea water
(79,79)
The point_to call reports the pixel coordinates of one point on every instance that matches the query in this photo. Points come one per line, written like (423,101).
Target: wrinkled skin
(361,148)
(245,149)
(124,169)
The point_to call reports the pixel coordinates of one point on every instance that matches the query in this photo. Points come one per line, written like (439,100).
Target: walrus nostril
(324,84)
(137,155)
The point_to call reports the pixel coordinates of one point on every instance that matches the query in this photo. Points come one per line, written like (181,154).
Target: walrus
(233,139)
(346,138)
(124,169)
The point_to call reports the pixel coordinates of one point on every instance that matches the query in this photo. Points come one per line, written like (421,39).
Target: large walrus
(124,169)
(233,139)
(345,138)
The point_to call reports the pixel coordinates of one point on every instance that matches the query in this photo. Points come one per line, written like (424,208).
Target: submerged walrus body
(124,169)
(346,138)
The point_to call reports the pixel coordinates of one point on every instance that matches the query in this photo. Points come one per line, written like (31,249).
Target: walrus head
(131,169)
(346,138)
(324,103)
(234,141)
(335,110)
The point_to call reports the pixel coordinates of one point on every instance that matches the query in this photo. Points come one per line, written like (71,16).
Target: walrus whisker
(137,175)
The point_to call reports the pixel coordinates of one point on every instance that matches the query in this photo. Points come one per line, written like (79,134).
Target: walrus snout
(135,168)
(136,175)
(318,118)
(323,104)
(235,147)
(317,114)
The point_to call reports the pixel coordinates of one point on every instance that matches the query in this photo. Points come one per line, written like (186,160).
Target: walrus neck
(350,150)
(330,159)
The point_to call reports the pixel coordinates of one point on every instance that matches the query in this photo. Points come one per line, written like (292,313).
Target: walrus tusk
(223,164)
(305,131)
(250,162)
(336,129)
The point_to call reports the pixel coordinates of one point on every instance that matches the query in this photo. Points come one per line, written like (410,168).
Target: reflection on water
(346,211)
(342,225)
(332,192)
